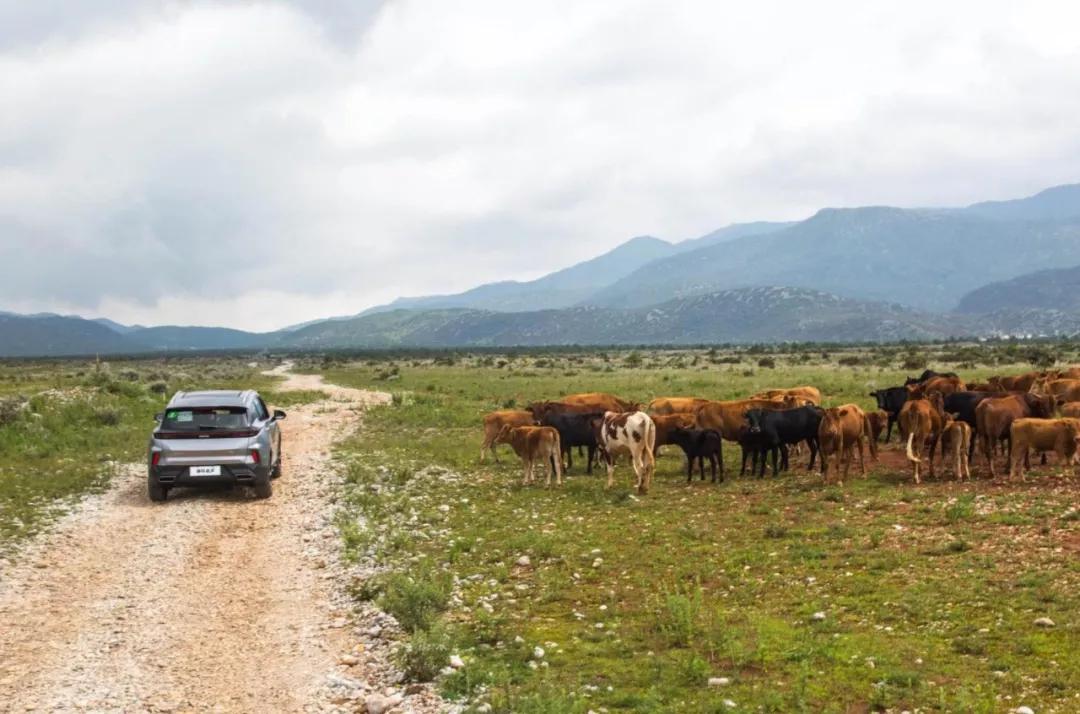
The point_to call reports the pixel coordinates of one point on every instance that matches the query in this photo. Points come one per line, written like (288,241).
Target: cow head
(937,402)
(1042,407)
(503,437)
(753,421)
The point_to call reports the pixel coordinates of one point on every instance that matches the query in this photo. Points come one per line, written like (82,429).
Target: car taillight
(155,458)
(255,456)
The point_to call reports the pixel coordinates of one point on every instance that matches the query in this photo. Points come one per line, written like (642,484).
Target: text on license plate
(205,471)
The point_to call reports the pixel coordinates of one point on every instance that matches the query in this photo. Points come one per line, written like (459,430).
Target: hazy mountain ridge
(850,274)
(1055,289)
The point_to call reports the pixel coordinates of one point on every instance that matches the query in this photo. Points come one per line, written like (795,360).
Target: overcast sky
(255,164)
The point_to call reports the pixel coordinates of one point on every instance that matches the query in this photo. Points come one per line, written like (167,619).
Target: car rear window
(204,419)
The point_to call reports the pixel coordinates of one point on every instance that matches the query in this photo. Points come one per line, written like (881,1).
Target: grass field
(877,596)
(66,426)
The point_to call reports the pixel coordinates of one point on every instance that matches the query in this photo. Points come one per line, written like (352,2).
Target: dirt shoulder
(211,601)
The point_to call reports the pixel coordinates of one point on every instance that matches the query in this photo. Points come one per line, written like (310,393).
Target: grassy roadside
(66,426)
(927,596)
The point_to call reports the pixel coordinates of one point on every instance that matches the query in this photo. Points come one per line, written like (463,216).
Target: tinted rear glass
(204,419)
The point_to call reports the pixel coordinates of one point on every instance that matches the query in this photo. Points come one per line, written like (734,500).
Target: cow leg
(1014,465)
(569,457)
(701,465)
(689,468)
(610,472)
(592,457)
(862,455)
(745,453)
(933,445)
(527,466)
(814,447)
(774,452)
(712,466)
(720,456)
(888,431)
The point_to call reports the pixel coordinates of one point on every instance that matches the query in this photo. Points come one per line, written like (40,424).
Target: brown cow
(994,417)
(1071,410)
(878,420)
(667,423)
(955,440)
(841,430)
(921,421)
(1015,383)
(493,424)
(1069,373)
(532,444)
(940,385)
(1042,435)
(811,394)
(1067,390)
(728,417)
(662,406)
(600,402)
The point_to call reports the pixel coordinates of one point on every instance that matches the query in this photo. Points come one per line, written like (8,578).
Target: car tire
(263,487)
(156,491)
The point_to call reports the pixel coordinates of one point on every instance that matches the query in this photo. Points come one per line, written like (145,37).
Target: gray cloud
(259,163)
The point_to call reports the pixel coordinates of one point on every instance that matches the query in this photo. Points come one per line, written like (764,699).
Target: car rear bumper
(244,474)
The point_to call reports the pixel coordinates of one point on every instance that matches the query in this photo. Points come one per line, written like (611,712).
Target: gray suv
(215,437)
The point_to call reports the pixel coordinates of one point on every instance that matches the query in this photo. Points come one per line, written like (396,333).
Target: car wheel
(157,492)
(263,487)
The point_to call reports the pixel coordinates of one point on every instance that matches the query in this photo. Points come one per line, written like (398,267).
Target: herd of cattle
(1013,413)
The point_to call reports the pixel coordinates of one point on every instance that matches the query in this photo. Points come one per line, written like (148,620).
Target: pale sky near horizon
(256,164)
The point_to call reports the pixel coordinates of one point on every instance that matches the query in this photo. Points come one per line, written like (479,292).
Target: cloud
(259,163)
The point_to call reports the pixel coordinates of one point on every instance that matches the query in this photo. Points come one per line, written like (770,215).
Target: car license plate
(205,471)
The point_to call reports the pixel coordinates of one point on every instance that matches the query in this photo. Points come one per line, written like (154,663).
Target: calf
(493,424)
(842,429)
(891,401)
(1042,435)
(631,433)
(878,420)
(781,428)
(994,418)
(574,430)
(700,444)
(921,421)
(955,441)
(532,444)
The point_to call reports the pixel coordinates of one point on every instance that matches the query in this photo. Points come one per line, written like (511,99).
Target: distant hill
(1057,289)
(1060,203)
(926,259)
(559,289)
(176,338)
(56,336)
(742,315)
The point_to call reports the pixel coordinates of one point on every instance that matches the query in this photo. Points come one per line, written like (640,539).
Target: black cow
(778,429)
(753,448)
(927,375)
(892,400)
(700,444)
(574,430)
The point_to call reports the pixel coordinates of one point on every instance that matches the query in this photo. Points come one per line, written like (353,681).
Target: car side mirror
(159,416)
(278,415)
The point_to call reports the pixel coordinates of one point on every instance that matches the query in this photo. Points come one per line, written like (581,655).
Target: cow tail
(650,441)
(556,458)
(911,454)
(869,435)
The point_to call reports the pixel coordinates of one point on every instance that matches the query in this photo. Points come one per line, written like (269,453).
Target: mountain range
(844,274)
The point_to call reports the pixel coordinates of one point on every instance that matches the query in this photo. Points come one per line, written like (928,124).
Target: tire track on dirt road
(212,601)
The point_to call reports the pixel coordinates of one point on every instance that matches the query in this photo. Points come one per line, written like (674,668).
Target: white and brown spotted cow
(631,433)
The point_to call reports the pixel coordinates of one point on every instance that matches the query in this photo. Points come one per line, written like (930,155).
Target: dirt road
(213,601)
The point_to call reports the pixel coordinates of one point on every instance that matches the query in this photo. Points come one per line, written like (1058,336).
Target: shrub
(914,361)
(414,601)
(633,359)
(107,417)
(426,653)
(158,388)
(10,409)
(679,615)
(766,363)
